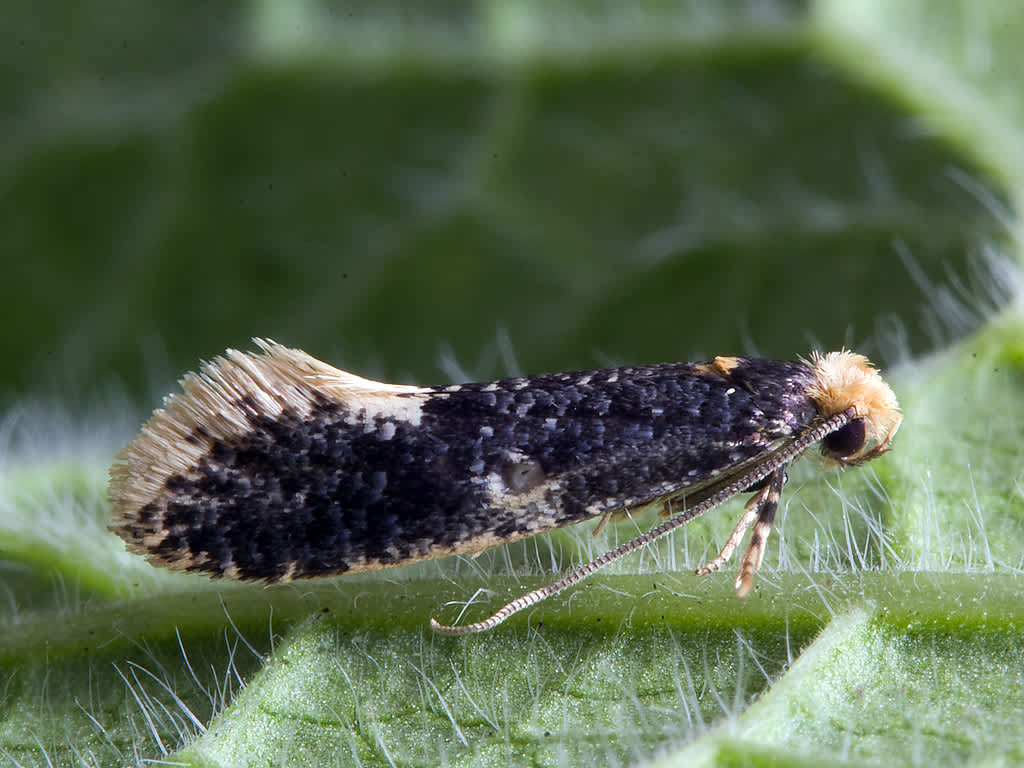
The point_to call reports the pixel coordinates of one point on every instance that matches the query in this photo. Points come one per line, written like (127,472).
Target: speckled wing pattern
(313,479)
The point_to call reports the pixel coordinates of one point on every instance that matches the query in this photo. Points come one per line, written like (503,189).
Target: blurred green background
(425,191)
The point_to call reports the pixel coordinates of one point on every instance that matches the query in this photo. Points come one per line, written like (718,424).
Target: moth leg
(767,503)
(603,522)
(749,515)
(611,516)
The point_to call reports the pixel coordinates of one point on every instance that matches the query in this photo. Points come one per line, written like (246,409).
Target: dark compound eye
(846,441)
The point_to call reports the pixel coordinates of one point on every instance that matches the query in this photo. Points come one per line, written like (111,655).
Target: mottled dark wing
(362,479)
(589,442)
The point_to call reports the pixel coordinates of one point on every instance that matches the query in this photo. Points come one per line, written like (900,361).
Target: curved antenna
(777,460)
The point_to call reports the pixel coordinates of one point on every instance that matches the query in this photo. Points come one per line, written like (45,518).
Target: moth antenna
(777,460)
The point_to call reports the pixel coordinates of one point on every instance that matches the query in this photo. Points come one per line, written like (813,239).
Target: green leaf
(504,186)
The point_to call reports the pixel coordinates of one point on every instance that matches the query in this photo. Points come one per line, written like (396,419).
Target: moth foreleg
(767,503)
(750,511)
(761,507)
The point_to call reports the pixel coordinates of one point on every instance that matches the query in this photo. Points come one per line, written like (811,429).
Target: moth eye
(522,476)
(845,441)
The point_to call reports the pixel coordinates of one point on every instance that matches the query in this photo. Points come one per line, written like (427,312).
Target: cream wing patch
(217,404)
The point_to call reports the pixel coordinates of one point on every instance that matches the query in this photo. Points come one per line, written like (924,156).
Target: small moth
(275,466)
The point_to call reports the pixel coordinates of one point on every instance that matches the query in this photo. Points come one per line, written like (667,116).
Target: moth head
(847,381)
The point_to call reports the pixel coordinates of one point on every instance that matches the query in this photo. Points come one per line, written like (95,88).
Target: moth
(275,466)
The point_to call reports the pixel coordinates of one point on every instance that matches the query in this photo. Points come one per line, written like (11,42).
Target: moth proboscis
(275,466)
